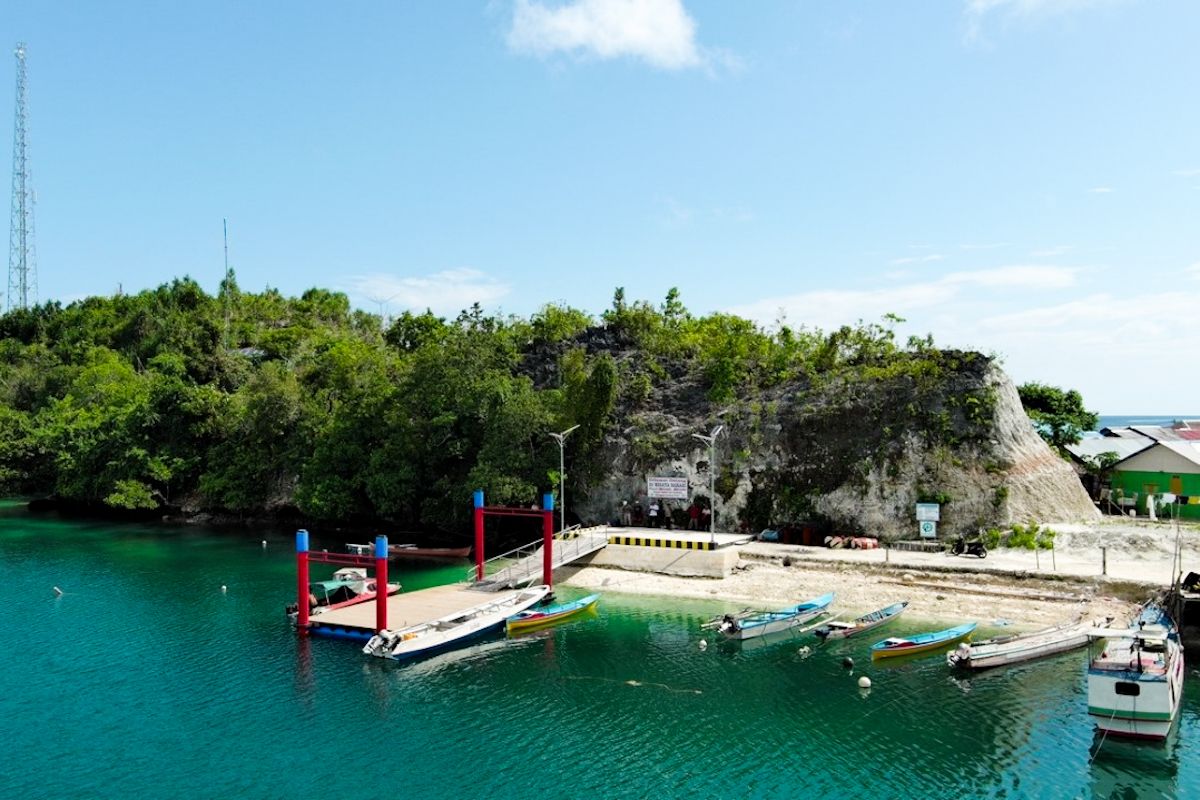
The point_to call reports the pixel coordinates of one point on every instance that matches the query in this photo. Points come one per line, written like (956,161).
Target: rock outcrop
(855,455)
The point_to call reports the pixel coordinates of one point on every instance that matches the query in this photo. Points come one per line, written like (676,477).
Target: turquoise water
(145,680)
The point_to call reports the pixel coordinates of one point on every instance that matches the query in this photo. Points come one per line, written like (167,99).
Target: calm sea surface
(144,680)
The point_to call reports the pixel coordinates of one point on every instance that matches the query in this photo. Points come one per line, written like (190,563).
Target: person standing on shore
(693,513)
(653,513)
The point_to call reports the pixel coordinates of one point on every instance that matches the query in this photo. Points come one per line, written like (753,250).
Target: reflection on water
(167,676)
(1123,770)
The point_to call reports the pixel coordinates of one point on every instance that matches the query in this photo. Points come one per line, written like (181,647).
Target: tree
(1058,415)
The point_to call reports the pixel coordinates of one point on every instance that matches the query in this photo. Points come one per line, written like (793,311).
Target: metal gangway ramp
(523,566)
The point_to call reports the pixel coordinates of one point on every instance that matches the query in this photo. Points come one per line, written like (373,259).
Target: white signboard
(929,512)
(929,529)
(667,488)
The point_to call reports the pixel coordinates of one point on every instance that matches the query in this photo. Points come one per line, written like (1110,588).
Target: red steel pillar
(479,534)
(302,591)
(381,580)
(548,539)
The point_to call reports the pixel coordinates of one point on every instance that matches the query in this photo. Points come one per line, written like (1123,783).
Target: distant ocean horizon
(1125,420)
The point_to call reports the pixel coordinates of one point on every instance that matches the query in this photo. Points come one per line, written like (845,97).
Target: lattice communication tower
(22,261)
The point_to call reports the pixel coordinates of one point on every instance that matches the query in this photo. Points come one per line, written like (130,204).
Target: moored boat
(412,551)
(749,624)
(454,630)
(1135,677)
(1015,648)
(836,629)
(921,643)
(349,586)
(535,618)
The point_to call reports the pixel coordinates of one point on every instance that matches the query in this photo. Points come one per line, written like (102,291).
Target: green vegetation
(245,402)
(1058,415)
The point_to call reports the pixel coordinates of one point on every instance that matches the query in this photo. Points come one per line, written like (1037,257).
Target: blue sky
(1020,177)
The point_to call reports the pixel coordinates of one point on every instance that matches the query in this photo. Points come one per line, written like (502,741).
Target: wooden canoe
(920,643)
(535,618)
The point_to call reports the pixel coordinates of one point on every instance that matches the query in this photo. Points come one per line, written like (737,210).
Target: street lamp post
(711,440)
(562,475)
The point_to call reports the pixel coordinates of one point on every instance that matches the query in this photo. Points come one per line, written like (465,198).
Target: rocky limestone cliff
(855,455)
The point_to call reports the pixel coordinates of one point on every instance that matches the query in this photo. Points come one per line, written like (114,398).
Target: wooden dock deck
(404,609)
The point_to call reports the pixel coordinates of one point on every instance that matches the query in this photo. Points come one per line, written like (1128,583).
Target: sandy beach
(1099,569)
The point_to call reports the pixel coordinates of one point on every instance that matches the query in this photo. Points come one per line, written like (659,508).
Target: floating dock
(403,610)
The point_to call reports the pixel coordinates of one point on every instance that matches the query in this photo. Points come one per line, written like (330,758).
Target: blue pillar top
(381,550)
(478,498)
(548,502)
(301,541)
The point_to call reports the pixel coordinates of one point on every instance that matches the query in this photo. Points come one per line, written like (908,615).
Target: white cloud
(989,246)
(833,308)
(1102,190)
(660,32)
(978,12)
(446,292)
(1188,173)
(1052,252)
(1110,346)
(1016,276)
(917,259)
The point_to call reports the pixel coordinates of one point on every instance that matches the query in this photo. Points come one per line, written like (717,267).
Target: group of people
(659,515)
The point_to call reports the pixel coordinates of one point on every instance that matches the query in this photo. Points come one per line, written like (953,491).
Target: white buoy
(223,588)
(264,542)
(58,592)
(703,644)
(864,682)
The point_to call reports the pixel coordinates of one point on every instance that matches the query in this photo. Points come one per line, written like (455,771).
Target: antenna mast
(228,283)
(22,261)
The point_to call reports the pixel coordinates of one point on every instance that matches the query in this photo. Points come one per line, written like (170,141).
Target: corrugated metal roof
(1189,450)
(1124,448)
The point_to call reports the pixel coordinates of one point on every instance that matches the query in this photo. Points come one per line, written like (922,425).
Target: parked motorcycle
(975,547)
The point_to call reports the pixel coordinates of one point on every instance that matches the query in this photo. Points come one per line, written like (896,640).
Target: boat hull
(861,626)
(764,624)
(429,552)
(550,616)
(1150,714)
(987,654)
(1135,678)
(923,643)
(438,636)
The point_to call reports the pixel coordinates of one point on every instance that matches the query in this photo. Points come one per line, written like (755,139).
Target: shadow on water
(1133,770)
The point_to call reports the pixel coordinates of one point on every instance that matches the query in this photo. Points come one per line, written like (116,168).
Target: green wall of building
(1129,483)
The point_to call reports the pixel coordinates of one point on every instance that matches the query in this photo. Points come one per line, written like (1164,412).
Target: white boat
(836,629)
(749,624)
(454,630)
(1135,677)
(1017,647)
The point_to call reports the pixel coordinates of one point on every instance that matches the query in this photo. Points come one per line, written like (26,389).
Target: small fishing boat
(535,618)
(1015,648)
(921,643)
(455,630)
(349,586)
(749,624)
(412,551)
(1135,677)
(843,630)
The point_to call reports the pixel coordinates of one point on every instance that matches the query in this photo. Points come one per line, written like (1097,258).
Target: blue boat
(921,643)
(749,624)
